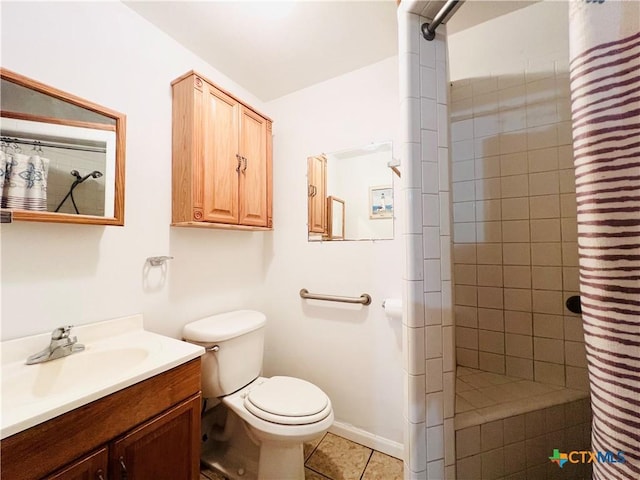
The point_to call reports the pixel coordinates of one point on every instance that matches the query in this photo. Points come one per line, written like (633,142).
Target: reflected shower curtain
(24,181)
(605,93)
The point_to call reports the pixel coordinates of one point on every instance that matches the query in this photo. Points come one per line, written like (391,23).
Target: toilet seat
(288,401)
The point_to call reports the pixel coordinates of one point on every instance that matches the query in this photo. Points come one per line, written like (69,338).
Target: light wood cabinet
(222,159)
(148,430)
(317,193)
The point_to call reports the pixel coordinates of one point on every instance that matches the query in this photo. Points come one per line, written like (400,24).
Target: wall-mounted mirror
(350,194)
(61,157)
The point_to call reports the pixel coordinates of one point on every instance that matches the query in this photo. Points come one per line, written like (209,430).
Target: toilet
(253,427)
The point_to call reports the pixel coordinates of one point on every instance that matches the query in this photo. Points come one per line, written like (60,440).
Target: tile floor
(335,458)
(484,397)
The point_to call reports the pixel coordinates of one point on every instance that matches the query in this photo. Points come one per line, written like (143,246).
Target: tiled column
(428,335)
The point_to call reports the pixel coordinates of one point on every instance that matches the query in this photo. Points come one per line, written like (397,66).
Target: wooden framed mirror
(61,158)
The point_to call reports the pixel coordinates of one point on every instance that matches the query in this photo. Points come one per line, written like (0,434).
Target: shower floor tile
(332,457)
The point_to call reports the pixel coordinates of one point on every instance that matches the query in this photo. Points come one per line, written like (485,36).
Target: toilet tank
(239,336)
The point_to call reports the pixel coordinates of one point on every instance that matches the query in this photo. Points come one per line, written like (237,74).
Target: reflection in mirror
(351,192)
(335,219)
(61,157)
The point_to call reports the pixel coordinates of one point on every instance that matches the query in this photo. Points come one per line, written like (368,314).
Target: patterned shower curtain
(605,92)
(24,181)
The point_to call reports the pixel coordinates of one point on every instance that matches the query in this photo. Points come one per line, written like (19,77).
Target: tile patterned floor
(483,397)
(335,458)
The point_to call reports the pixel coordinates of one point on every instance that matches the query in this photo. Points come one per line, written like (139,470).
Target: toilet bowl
(276,415)
(281,413)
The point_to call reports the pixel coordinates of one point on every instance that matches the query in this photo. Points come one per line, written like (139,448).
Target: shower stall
(496,366)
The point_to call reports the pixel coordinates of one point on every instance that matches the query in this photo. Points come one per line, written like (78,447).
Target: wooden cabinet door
(253,173)
(317,193)
(90,467)
(164,448)
(221,158)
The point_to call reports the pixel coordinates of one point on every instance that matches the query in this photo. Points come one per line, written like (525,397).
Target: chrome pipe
(429,29)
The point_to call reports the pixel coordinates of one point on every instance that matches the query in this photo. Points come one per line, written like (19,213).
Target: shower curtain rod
(429,29)
(66,146)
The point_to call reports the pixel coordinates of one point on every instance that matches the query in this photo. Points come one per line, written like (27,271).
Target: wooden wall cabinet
(149,430)
(222,159)
(317,193)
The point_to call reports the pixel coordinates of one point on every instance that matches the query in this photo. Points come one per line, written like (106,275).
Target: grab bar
(364,299)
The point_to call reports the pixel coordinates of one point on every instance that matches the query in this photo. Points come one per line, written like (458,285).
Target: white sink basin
(127,354)
(63,375)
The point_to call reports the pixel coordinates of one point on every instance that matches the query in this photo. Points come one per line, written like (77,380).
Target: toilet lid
(289,401)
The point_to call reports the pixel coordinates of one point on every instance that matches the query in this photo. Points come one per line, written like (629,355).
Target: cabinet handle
(239,158)
(245,164)
(99,475)
(123,469)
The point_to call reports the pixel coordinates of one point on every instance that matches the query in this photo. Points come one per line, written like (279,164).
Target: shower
(78,180)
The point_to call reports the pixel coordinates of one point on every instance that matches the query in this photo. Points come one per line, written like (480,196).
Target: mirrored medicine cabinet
(61,157)
(350,194)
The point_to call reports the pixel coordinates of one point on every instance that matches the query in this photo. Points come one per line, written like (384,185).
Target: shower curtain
(24,181)
(605,92)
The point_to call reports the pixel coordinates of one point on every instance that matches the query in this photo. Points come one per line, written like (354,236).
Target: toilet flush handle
(215,348)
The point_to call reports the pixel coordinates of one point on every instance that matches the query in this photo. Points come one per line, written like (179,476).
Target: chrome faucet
(61,345)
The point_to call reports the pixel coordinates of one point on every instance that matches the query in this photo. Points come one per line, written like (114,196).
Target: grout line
(321,474)
(367,464)
(314,449)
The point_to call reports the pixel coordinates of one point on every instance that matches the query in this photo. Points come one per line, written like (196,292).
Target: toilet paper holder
(392,307)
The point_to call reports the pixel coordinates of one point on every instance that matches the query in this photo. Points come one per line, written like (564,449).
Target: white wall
(518,39)
(57,274)
(65,274)
(352,352)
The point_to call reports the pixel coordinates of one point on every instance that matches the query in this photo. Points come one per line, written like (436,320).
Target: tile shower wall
(514,222)
(429,361)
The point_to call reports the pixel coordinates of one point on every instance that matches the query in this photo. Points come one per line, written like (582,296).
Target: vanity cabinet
(156,449)
(148,430)
(317,202)
(222,159)
(90,467)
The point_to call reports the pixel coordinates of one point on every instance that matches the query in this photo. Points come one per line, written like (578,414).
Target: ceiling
(273,48)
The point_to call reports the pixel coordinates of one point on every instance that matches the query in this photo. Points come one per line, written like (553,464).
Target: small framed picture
(381,202)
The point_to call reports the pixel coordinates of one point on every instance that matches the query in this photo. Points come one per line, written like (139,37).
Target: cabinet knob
(99,474)
(239,158)
(245,164)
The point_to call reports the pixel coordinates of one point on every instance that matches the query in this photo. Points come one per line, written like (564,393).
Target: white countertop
(118,353)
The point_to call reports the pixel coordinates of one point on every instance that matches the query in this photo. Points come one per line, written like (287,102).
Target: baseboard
(367,439)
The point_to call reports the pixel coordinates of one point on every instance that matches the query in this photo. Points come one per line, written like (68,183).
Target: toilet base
(277,462)
(280,461)
(230,463)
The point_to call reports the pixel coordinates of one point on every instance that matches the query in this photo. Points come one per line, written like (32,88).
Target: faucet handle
(61,332)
